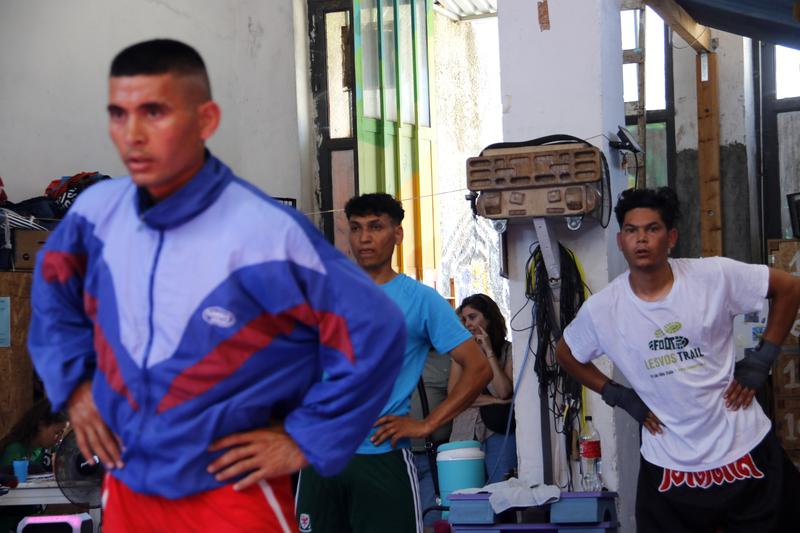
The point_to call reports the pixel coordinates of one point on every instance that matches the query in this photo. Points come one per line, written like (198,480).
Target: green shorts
(374,493)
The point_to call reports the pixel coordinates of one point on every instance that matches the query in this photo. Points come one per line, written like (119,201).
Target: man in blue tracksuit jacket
(179,313)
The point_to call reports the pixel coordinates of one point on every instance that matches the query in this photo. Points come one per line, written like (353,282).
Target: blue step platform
(582,507)
(599,527)
(575,512)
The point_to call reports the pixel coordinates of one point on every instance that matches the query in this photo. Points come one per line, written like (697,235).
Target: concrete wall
(737,147)
(789,167)
(53,88)
(683,57)
(468,118)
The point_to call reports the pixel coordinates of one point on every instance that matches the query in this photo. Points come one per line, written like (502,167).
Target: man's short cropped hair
(160,56)
(664,200)
(375,204)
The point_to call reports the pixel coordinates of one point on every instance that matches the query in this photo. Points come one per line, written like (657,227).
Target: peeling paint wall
(53,90)
(308,179)
(468,118)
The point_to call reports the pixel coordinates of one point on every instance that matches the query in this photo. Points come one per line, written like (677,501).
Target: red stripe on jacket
(233,352)
(62,266)
(106,360)
(332,328)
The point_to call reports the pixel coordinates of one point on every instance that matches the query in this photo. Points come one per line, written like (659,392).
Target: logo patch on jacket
(218,316)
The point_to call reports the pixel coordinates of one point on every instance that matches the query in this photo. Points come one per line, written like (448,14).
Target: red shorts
(267,506)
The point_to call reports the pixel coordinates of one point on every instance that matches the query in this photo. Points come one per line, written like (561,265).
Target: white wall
(53,85)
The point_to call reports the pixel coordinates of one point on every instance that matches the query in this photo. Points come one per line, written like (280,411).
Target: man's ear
(398,234)
(619,241)
(210,115)
(672,237)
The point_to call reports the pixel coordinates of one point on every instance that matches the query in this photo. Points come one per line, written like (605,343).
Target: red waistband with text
(743,468)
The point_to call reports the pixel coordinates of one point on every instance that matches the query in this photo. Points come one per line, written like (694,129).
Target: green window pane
(422,62)
(388,60)
(370,65)
(406,57)
(655,158)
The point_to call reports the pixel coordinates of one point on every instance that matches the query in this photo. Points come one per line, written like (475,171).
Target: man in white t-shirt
(709,458)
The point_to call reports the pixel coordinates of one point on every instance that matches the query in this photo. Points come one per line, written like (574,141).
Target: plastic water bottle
(589,447)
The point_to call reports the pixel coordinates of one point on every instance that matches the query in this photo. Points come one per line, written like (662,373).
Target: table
(43,492)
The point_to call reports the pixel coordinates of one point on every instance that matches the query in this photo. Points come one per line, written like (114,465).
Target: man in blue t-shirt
(378,488)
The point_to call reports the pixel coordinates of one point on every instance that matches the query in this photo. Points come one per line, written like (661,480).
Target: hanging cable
(562,392)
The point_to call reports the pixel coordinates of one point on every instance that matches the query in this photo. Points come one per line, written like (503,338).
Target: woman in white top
(486,419)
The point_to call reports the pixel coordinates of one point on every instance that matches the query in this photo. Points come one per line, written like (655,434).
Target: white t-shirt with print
(678,354)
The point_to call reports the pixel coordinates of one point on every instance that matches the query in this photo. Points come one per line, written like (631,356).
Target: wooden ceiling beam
(708,168)
(697,35)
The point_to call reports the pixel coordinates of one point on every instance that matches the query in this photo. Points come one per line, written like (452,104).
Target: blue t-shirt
(430,322)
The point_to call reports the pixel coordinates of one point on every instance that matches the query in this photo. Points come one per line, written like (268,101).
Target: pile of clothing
(40,212)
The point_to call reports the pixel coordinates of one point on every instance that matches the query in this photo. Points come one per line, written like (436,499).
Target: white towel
(516,493)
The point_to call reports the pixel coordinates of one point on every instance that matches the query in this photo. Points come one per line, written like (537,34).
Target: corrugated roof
(773,21)
(466,9)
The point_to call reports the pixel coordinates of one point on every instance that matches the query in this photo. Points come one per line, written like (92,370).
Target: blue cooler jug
(460,466)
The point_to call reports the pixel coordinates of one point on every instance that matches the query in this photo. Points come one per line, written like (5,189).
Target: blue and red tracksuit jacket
(209,313)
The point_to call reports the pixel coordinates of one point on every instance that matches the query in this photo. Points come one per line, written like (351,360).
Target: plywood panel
(708,155)
(784,254)
(16,371)
(786,373)
(787,422)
